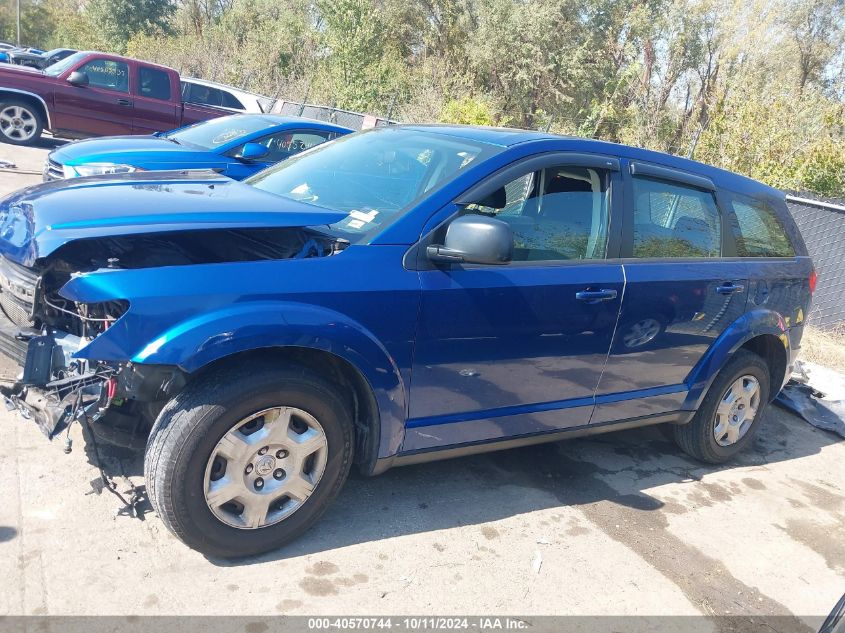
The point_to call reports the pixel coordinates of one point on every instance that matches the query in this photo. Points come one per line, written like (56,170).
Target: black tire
(697,438)
(32,113)
(190,426)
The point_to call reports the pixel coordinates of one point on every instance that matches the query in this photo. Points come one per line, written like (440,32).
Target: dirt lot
(618,524)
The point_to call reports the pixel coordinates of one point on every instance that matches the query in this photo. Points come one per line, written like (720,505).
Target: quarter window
(107,74)
(672,220)
(154,83)
(558,213)
(757,230)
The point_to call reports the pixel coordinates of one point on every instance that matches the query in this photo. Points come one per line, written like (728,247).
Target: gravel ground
(620,524)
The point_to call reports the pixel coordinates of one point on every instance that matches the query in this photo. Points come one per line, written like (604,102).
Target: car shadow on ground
(615,468)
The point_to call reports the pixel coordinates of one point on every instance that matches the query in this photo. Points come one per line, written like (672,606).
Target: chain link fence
(353,120)
(822,223)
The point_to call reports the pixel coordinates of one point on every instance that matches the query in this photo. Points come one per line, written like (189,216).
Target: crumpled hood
(37,220)
(132,150)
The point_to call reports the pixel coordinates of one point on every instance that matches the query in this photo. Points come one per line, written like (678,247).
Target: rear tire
(229,407)
(706,437)
(20,122)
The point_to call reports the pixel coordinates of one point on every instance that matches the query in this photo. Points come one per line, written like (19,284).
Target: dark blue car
(236,146)
(396,296)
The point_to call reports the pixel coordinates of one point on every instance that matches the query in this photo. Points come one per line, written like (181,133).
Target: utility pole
(19,21)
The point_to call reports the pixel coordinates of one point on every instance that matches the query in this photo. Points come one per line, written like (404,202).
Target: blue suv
(399,295)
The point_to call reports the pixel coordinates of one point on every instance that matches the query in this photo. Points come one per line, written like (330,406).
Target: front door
(103,107)
(680,293)
(518,349)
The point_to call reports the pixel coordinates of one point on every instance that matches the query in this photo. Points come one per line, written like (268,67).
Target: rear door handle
(730,288)
(594,296)
(124,102)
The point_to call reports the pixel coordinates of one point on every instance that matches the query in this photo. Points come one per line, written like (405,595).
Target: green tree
(118,21)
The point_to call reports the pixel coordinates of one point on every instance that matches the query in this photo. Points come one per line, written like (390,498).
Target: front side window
(374,175)
(757,230)
(282,145)
(153,83)
(558,213)
(107,74)
(204,95)
(674,220)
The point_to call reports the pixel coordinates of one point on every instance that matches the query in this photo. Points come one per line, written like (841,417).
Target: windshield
(59,67)
(218,132)
(374,175)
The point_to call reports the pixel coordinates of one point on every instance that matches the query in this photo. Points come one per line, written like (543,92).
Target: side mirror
(253,151)
(475,239)
(77,78)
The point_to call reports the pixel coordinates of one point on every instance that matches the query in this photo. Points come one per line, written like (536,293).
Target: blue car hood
(131,150)
(37,220)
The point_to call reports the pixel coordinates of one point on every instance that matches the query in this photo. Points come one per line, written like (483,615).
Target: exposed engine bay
(41,331)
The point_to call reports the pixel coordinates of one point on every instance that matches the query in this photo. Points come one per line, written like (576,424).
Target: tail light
(814,278)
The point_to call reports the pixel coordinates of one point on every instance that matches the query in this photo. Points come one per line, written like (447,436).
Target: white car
(210,93)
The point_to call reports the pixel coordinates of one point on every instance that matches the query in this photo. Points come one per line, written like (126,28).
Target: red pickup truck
(93,94)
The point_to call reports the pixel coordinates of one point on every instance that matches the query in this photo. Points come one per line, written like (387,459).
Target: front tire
(246,459)
(731,412)
(20,123)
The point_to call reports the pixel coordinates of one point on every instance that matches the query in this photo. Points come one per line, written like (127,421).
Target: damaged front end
(41,331)
(40,339)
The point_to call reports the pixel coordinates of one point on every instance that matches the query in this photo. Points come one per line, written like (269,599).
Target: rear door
(156,108)
(104,106)
(518,349)
(680,292)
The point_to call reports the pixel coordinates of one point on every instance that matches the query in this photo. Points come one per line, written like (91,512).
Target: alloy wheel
(736,410)
(265,467)
(18,123)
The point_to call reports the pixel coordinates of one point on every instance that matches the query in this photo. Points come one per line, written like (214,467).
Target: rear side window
(757,230)
(154,83)
(674,220)
(230,101)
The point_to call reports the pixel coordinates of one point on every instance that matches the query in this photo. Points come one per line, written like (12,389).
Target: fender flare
(750,325)
(36,97)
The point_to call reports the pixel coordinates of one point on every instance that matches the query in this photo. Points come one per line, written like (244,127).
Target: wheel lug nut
(278,473)
(262,451)
(248,468)
(281,454)
(259,483)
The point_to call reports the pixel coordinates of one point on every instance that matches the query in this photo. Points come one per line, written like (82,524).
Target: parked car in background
(93,94)
(5,47)
(39,60)
(399,295)
(218,95)
(236,146)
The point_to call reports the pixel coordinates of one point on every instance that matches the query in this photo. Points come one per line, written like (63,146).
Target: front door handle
(594,296)
(730,288)
(124,102)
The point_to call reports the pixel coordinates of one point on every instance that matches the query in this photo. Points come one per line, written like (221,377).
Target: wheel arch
(36,100)
(354,386)
(763,332)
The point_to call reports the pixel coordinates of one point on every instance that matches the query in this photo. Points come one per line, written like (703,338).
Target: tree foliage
(756,86)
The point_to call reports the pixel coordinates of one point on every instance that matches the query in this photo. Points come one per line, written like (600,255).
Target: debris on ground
(538,562)
(816,394)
